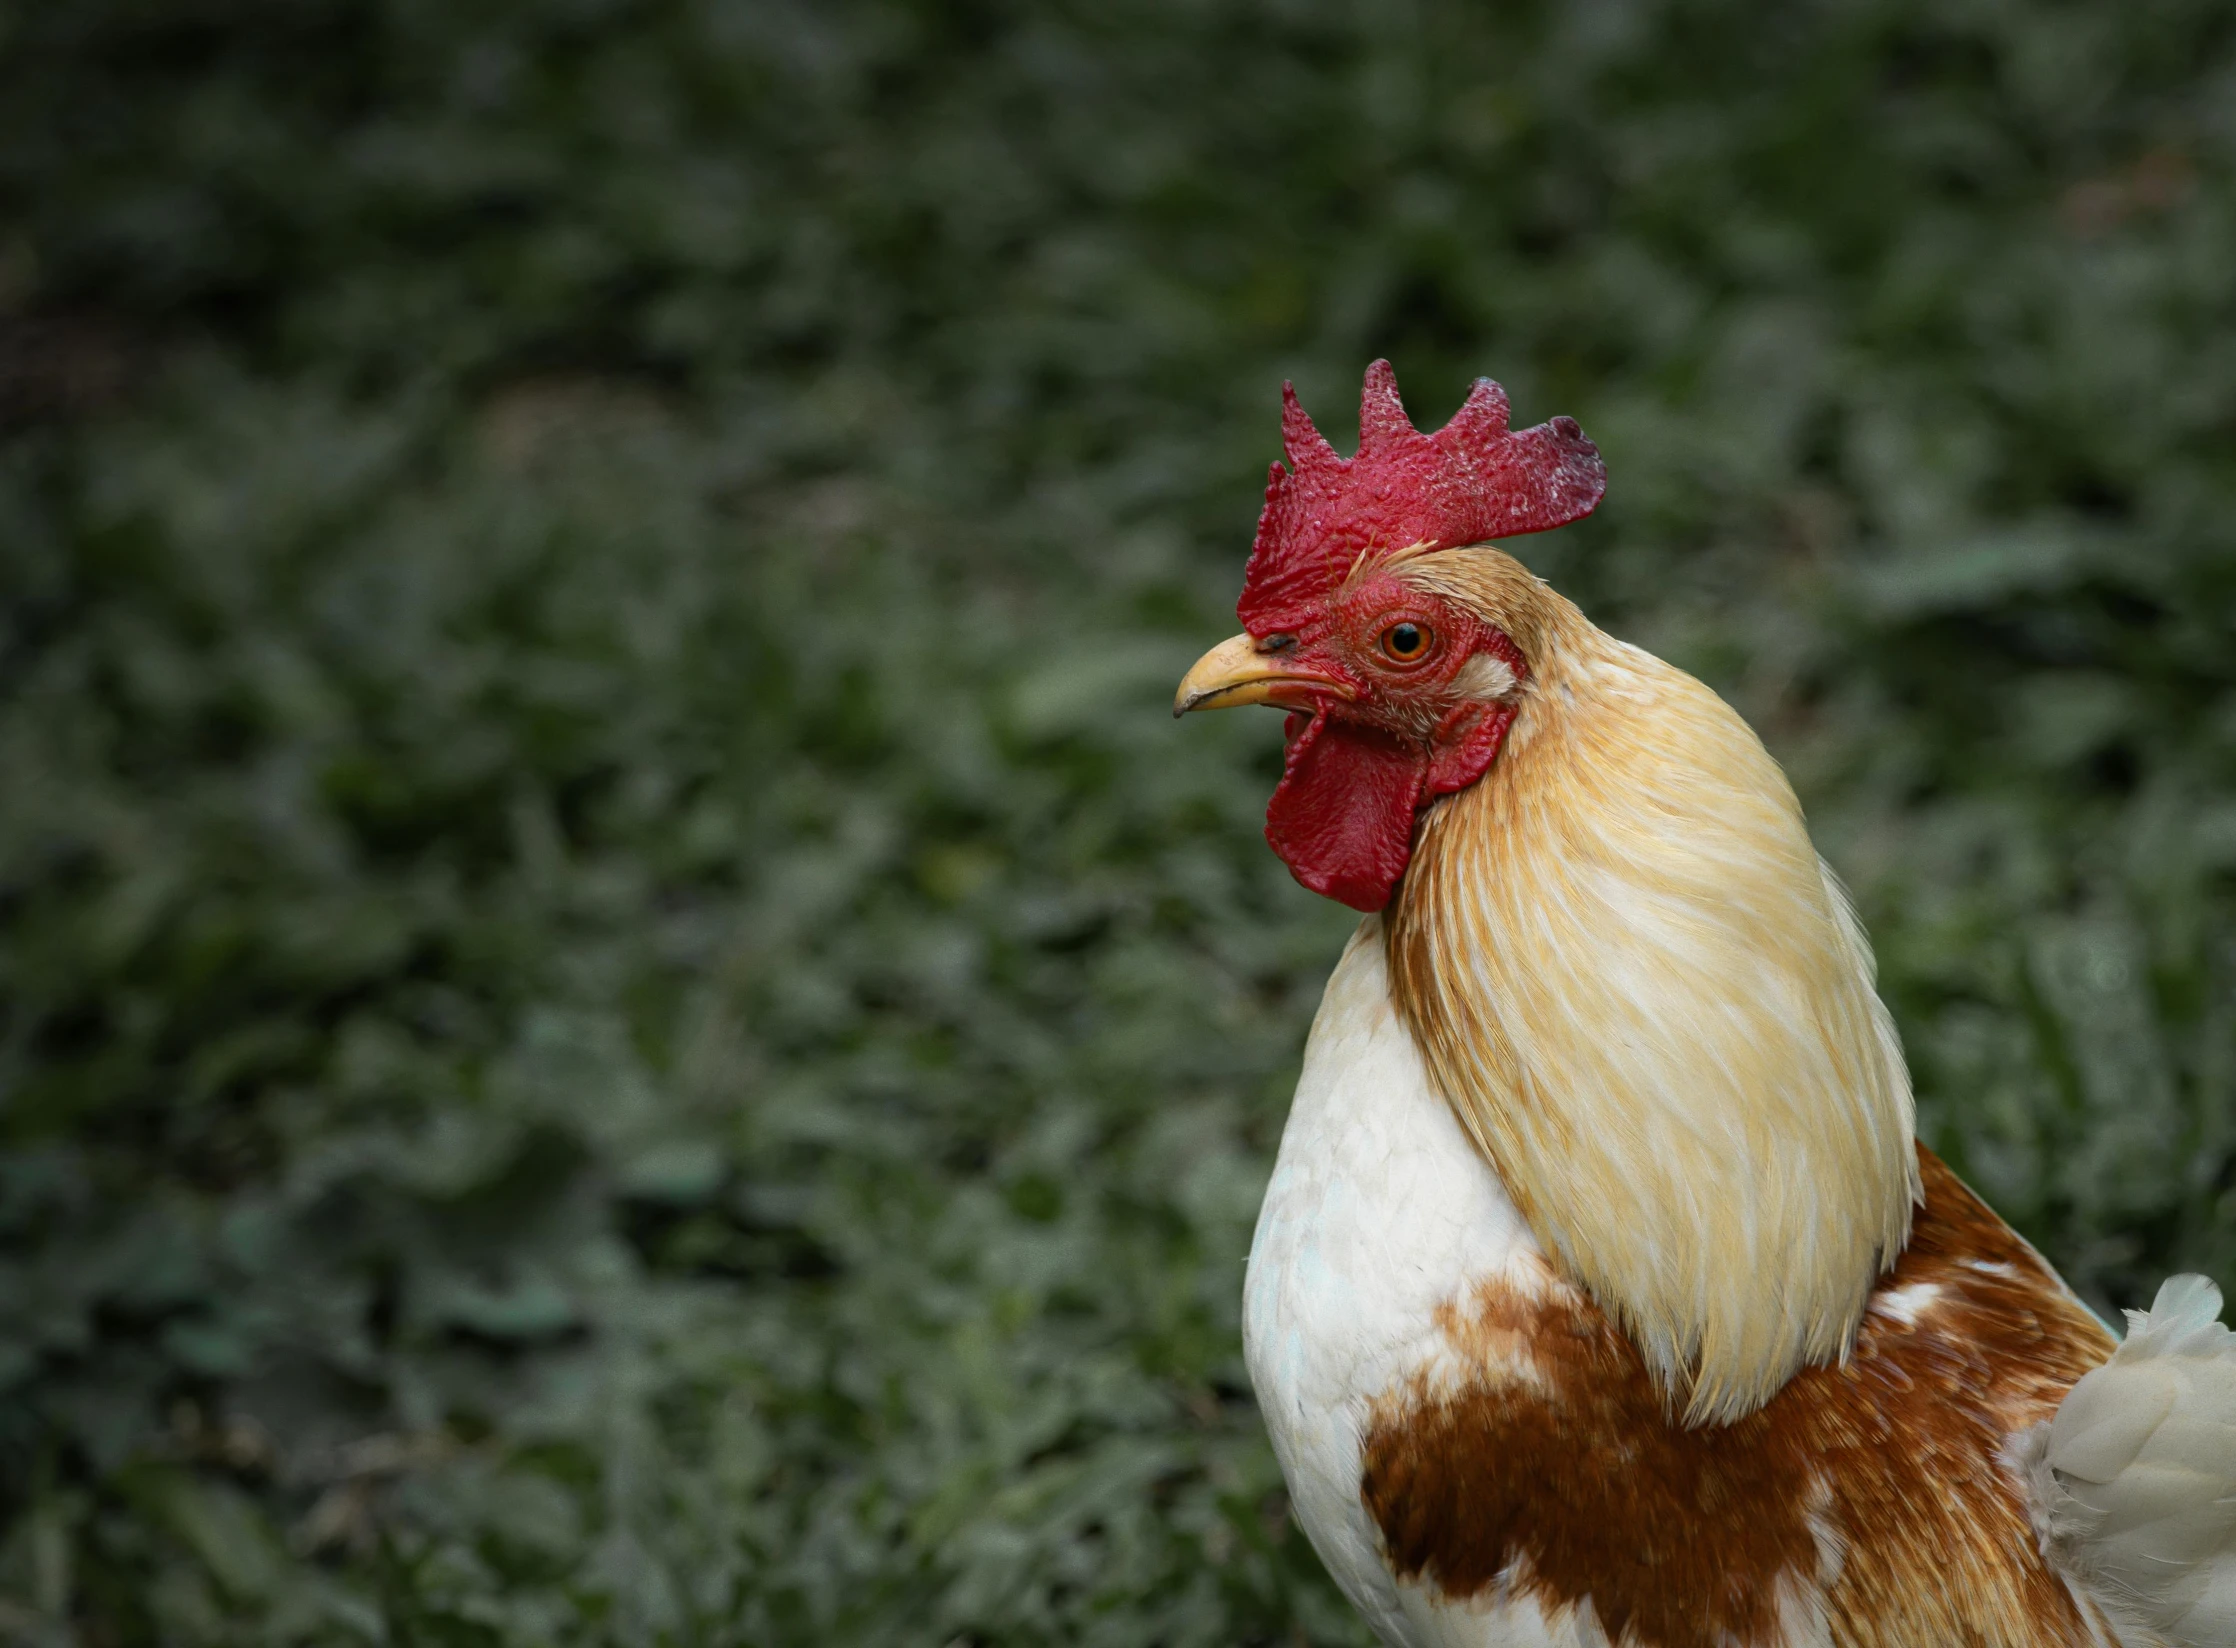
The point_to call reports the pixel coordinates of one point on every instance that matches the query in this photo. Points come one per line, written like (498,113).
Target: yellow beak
(1237,672)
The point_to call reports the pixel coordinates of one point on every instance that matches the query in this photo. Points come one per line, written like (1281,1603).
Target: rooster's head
(1398,692)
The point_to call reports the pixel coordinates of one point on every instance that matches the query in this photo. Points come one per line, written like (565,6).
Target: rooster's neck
(1652,1009)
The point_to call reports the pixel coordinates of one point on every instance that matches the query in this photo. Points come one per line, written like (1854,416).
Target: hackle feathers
(1654,1012)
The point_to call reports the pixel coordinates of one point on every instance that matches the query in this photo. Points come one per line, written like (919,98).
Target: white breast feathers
(1379,1210)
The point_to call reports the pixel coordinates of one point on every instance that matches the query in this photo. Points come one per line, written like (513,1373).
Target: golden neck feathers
(1651,1007)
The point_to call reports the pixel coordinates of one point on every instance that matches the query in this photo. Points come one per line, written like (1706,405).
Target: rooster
(1602,1294)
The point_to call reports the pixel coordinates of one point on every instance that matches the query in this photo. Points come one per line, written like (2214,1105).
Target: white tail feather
(2134,1480)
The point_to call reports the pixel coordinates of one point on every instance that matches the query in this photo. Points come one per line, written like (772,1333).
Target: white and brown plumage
(1601,1295)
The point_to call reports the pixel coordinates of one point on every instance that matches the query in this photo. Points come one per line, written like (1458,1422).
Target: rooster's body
(1481,1457)
(1601,1296)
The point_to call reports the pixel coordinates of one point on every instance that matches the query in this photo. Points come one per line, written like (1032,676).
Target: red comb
(1472,480)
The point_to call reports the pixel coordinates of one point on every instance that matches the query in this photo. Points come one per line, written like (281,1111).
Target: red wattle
(1342,818)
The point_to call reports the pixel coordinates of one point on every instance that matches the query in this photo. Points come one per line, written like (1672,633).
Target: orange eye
(1406,642)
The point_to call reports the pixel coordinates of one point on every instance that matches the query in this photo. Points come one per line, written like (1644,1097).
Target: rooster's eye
(1404,643)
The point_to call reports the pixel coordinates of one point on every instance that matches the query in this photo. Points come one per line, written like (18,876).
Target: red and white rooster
(1602,1295)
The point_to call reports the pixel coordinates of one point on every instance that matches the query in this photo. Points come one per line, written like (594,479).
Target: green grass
(622,1018)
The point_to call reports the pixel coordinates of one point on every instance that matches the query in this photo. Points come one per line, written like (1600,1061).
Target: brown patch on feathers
(1874,1489)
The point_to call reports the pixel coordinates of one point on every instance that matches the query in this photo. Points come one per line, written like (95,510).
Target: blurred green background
(622,1017)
